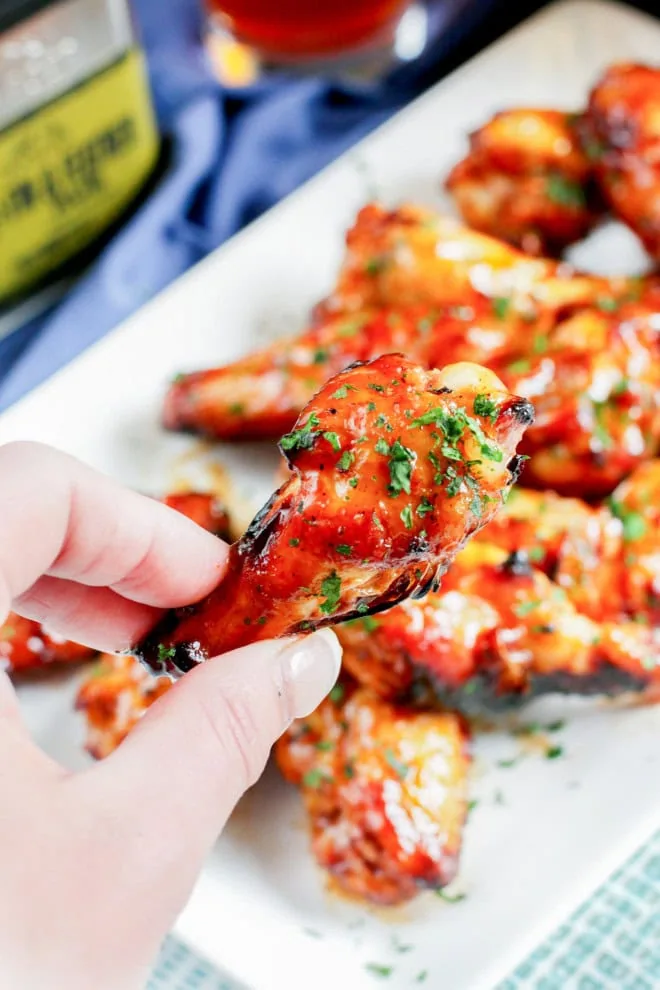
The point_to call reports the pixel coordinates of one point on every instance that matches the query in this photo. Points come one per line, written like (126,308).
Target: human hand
(95,866)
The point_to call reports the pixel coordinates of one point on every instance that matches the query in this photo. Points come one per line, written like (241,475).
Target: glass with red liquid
(312,35)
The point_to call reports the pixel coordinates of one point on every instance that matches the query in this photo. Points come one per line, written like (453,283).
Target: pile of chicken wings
(448,360)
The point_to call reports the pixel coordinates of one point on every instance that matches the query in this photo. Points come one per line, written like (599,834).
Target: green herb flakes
(303,438)
(407,517)
(565,192)
(333,440)
(331,590)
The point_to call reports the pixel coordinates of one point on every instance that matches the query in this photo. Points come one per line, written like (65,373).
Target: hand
(95,866)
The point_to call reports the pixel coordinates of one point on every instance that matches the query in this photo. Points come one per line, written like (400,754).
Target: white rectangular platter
(543,833)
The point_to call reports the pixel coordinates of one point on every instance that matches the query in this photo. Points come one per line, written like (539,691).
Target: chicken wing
(595,384)
(527,180)
(393,468)
(620,133)
(412,256)
(636,504)
(113,698)
(205,509)
(385,790)
(499,632)
(26,645)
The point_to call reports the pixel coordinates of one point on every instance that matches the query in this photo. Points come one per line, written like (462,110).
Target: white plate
(544,832)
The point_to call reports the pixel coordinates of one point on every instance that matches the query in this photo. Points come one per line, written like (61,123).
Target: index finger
(60,518)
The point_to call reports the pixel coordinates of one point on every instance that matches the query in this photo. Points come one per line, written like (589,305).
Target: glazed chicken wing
(499,632)
(620,134)
(26,645)
(113,698)
(636,504)
(412,256)
(527,180)
(393,468)
(385,791)
(595,384)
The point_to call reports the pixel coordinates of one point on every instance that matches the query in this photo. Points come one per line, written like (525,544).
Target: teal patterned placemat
(612,942)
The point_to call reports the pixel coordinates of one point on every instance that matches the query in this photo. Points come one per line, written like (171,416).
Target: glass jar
(78,137)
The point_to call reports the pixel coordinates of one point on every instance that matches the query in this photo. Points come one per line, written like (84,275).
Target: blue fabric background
(234,154)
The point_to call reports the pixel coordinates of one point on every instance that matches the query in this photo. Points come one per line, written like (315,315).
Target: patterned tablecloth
(612,942)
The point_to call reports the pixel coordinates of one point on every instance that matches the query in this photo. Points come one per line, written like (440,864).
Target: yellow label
(68,170)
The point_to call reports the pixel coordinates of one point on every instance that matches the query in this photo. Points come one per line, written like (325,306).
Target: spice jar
(78,137)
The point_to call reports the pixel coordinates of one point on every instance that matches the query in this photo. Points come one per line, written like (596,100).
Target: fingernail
(311,667)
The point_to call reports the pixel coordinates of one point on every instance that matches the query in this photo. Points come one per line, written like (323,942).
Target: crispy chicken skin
(527,180)
(385,790)
(620,133)
(26,645)
(393,468)
(113,698)
(498,633)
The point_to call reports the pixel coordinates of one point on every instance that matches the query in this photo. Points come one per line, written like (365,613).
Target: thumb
(182,769)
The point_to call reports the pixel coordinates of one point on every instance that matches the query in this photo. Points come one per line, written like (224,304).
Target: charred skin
(394,468)
(620,134)
(385,789)
(595,384)
(114,697)
(527,181)
(498,634)
(25,645)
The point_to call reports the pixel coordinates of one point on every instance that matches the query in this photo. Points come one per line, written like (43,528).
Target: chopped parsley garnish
(421,976)
(374,266)
(483,406)
(320,356)
(349,771)
(407,517)
(401,465)
(382,446)
(369,624)
(303,438)
(371,406)
(554,752)
(354,482)
(536,554)
(324,745)
(555,726)
(345,460)
(450,898)
(315,777)
(332,439)
(520,367)
(401,769)
(378,969)
(236,408)
(331,589)
(424,507)
(607,304)
(524,608)
(341,392)
(344,549)
(540,344)
(376,388)
(565,192)
(501,306)
(634,524)
(166,652)
(337,693)
(294,541)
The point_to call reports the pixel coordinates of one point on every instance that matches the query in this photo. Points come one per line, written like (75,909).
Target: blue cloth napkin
(235,154)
